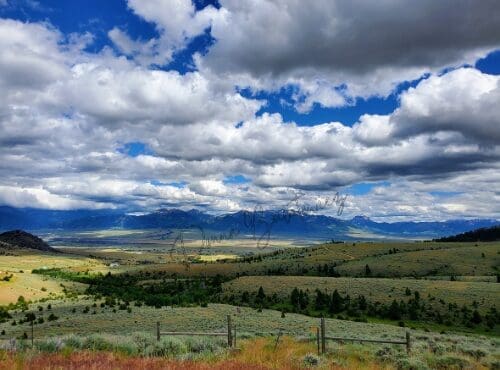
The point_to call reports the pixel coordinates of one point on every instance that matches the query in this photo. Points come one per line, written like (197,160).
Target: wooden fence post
(277,340)
(323,335)
(158,331)
(408,342)
(234,339)
(317,340)
(229,332)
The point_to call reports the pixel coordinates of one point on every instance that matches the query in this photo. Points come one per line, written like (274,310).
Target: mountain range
(239,223)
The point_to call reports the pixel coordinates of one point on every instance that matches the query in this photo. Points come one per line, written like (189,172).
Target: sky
(227,105)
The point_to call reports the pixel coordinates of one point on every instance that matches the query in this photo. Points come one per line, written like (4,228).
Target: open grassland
(348,259)
(79,318)
(470,260)
(129,337)
(33,286)
(257,354)
(393,259)
(375,289)
(74,318)
(349,251)
(142,351)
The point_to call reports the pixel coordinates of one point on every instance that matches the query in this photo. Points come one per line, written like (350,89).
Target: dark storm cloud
(278,36)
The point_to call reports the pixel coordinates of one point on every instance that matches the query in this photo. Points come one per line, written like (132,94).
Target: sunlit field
(32,286)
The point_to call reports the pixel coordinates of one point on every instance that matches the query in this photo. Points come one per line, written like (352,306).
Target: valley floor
(113,325)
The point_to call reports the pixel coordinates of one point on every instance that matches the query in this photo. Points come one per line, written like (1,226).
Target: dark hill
(485,234)
(24,240)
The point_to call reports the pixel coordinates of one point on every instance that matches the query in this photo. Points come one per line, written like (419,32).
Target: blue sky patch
(363,188)
(236,179)
(490,64)
(444,194)
(134,149)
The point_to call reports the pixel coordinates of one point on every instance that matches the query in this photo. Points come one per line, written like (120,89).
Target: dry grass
(106,360)
(33,286)
(290,353)
(268,353)
(465,260)
(375,289)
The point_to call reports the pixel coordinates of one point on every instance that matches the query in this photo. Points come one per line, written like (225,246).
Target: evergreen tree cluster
(321,303)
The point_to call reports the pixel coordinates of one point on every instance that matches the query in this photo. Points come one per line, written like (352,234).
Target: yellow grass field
(34,286)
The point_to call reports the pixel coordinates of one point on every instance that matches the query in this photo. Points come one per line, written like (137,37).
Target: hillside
(486,234)
(24,240)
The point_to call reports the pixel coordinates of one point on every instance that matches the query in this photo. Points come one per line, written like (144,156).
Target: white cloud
(40,198)
(464,101)
(177,22)
(63,120)
(367,46)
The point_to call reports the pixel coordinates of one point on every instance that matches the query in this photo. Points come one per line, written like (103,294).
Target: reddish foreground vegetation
(107,360)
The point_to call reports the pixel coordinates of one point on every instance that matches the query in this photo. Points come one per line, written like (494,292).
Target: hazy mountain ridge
(274,222)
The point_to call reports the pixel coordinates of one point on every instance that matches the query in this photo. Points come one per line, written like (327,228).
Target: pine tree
(335,303)
(261,295)
(362,302)
(295,298)
(394,312)
(368,271)
(476,317)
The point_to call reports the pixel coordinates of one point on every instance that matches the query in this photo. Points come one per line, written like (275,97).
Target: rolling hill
(23,240)
(486,234)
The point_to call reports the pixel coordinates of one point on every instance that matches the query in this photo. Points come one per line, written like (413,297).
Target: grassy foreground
(143,352)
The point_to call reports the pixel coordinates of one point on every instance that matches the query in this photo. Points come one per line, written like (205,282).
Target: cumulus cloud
(464,101)
(65,114)
(368,46)
(40,198)
(177,22)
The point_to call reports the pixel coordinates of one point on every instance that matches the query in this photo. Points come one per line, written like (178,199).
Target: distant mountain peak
(361,217)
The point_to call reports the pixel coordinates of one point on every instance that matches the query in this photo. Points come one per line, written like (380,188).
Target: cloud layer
(66,113)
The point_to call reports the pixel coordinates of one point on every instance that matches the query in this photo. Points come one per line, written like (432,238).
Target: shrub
(166,347)
(310,359)
(97,343)
(476,353)
(74,341)
(384,354)
(437,348)
(200,345)
(410,363)
(450,362)
(50,345)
